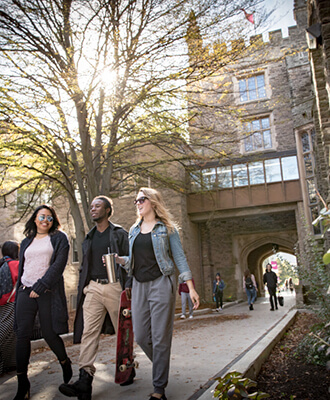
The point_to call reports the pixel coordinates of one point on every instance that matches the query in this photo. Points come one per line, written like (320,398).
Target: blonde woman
(154,248)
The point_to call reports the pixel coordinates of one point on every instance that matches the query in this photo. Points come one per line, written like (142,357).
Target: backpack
(6,283)
(248,283)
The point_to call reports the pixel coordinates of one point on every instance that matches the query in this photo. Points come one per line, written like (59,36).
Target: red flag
(248,16)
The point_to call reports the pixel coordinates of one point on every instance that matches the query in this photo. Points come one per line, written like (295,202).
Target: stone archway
(251,250)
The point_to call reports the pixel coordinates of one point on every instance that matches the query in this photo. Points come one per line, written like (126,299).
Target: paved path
(202,347)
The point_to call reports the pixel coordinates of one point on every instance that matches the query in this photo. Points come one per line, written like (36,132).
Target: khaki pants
(99,300)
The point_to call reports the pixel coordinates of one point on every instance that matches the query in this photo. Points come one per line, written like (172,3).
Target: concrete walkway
(206,346)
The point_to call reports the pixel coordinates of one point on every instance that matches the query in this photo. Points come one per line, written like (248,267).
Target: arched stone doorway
(254,249)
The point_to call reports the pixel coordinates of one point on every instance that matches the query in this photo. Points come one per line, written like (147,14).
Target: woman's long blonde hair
(157,203)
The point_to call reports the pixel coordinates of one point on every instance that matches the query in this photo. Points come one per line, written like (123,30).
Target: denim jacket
(160,243)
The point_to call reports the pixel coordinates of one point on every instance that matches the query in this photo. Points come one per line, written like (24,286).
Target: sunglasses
(43,217)
(140,200)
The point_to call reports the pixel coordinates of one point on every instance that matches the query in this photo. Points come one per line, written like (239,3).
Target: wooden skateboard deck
(124,354)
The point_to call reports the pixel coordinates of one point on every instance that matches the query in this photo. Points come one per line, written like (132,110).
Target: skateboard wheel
(126,312)
(122,368)
(135,364)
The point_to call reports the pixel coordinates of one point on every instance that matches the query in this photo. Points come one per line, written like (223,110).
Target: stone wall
(227,243)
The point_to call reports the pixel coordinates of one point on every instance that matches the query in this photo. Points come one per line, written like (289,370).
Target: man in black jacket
(97,299)
(270,279)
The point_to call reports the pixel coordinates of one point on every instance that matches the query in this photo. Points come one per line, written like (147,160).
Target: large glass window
(290,168)
(258,135)
(311,182)
(209,178)
(311,189)
(308,164)
(273,170)
(305,142)
(240,175)
(256,173)
(224,177)
(252,88)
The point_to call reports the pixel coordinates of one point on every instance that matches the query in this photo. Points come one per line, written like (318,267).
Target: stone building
(318,38)
(255,201)
(256,195)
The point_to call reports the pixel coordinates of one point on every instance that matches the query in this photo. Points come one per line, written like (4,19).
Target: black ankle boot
(82,388)
(67,369)
(23,391)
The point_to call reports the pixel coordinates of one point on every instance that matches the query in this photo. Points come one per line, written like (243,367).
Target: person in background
(9,275)
(40,288)
(291,285)
(98,299)
(270,279)
(218,287)
(250,286)
(185,297)
(154,250)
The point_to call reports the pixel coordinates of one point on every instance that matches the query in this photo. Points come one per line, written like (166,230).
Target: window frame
(249,90)
(250,134)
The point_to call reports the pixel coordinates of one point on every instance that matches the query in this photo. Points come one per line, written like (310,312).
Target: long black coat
(52,279)
(118,241)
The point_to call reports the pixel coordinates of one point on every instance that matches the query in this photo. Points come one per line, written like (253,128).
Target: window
(310,180)
(273,170)
(240,175)
(252,88)
(26,197)
(253,173)
(256,173)
(224,177)
(290,168)
(209,178)
(258,135)
(23,199)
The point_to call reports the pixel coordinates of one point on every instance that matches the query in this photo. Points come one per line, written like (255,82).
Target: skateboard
(124,356)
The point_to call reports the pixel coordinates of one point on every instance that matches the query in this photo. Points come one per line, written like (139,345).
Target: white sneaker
(183,316)
(190,316)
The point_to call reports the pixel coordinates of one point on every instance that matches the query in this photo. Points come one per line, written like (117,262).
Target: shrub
(314,348)
(234,386)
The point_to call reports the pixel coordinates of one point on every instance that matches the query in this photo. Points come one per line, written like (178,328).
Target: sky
(282,18)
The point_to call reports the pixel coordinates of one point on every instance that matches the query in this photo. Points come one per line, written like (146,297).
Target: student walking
(270,279)
(42,260)
(98,298)
(250,286)
(218,287)
(154,248)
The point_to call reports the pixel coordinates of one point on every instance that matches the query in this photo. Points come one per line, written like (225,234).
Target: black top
(118,240)
(270,278)
(100,245)
(146,268)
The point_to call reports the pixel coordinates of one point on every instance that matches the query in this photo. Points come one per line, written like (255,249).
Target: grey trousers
(153,307)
